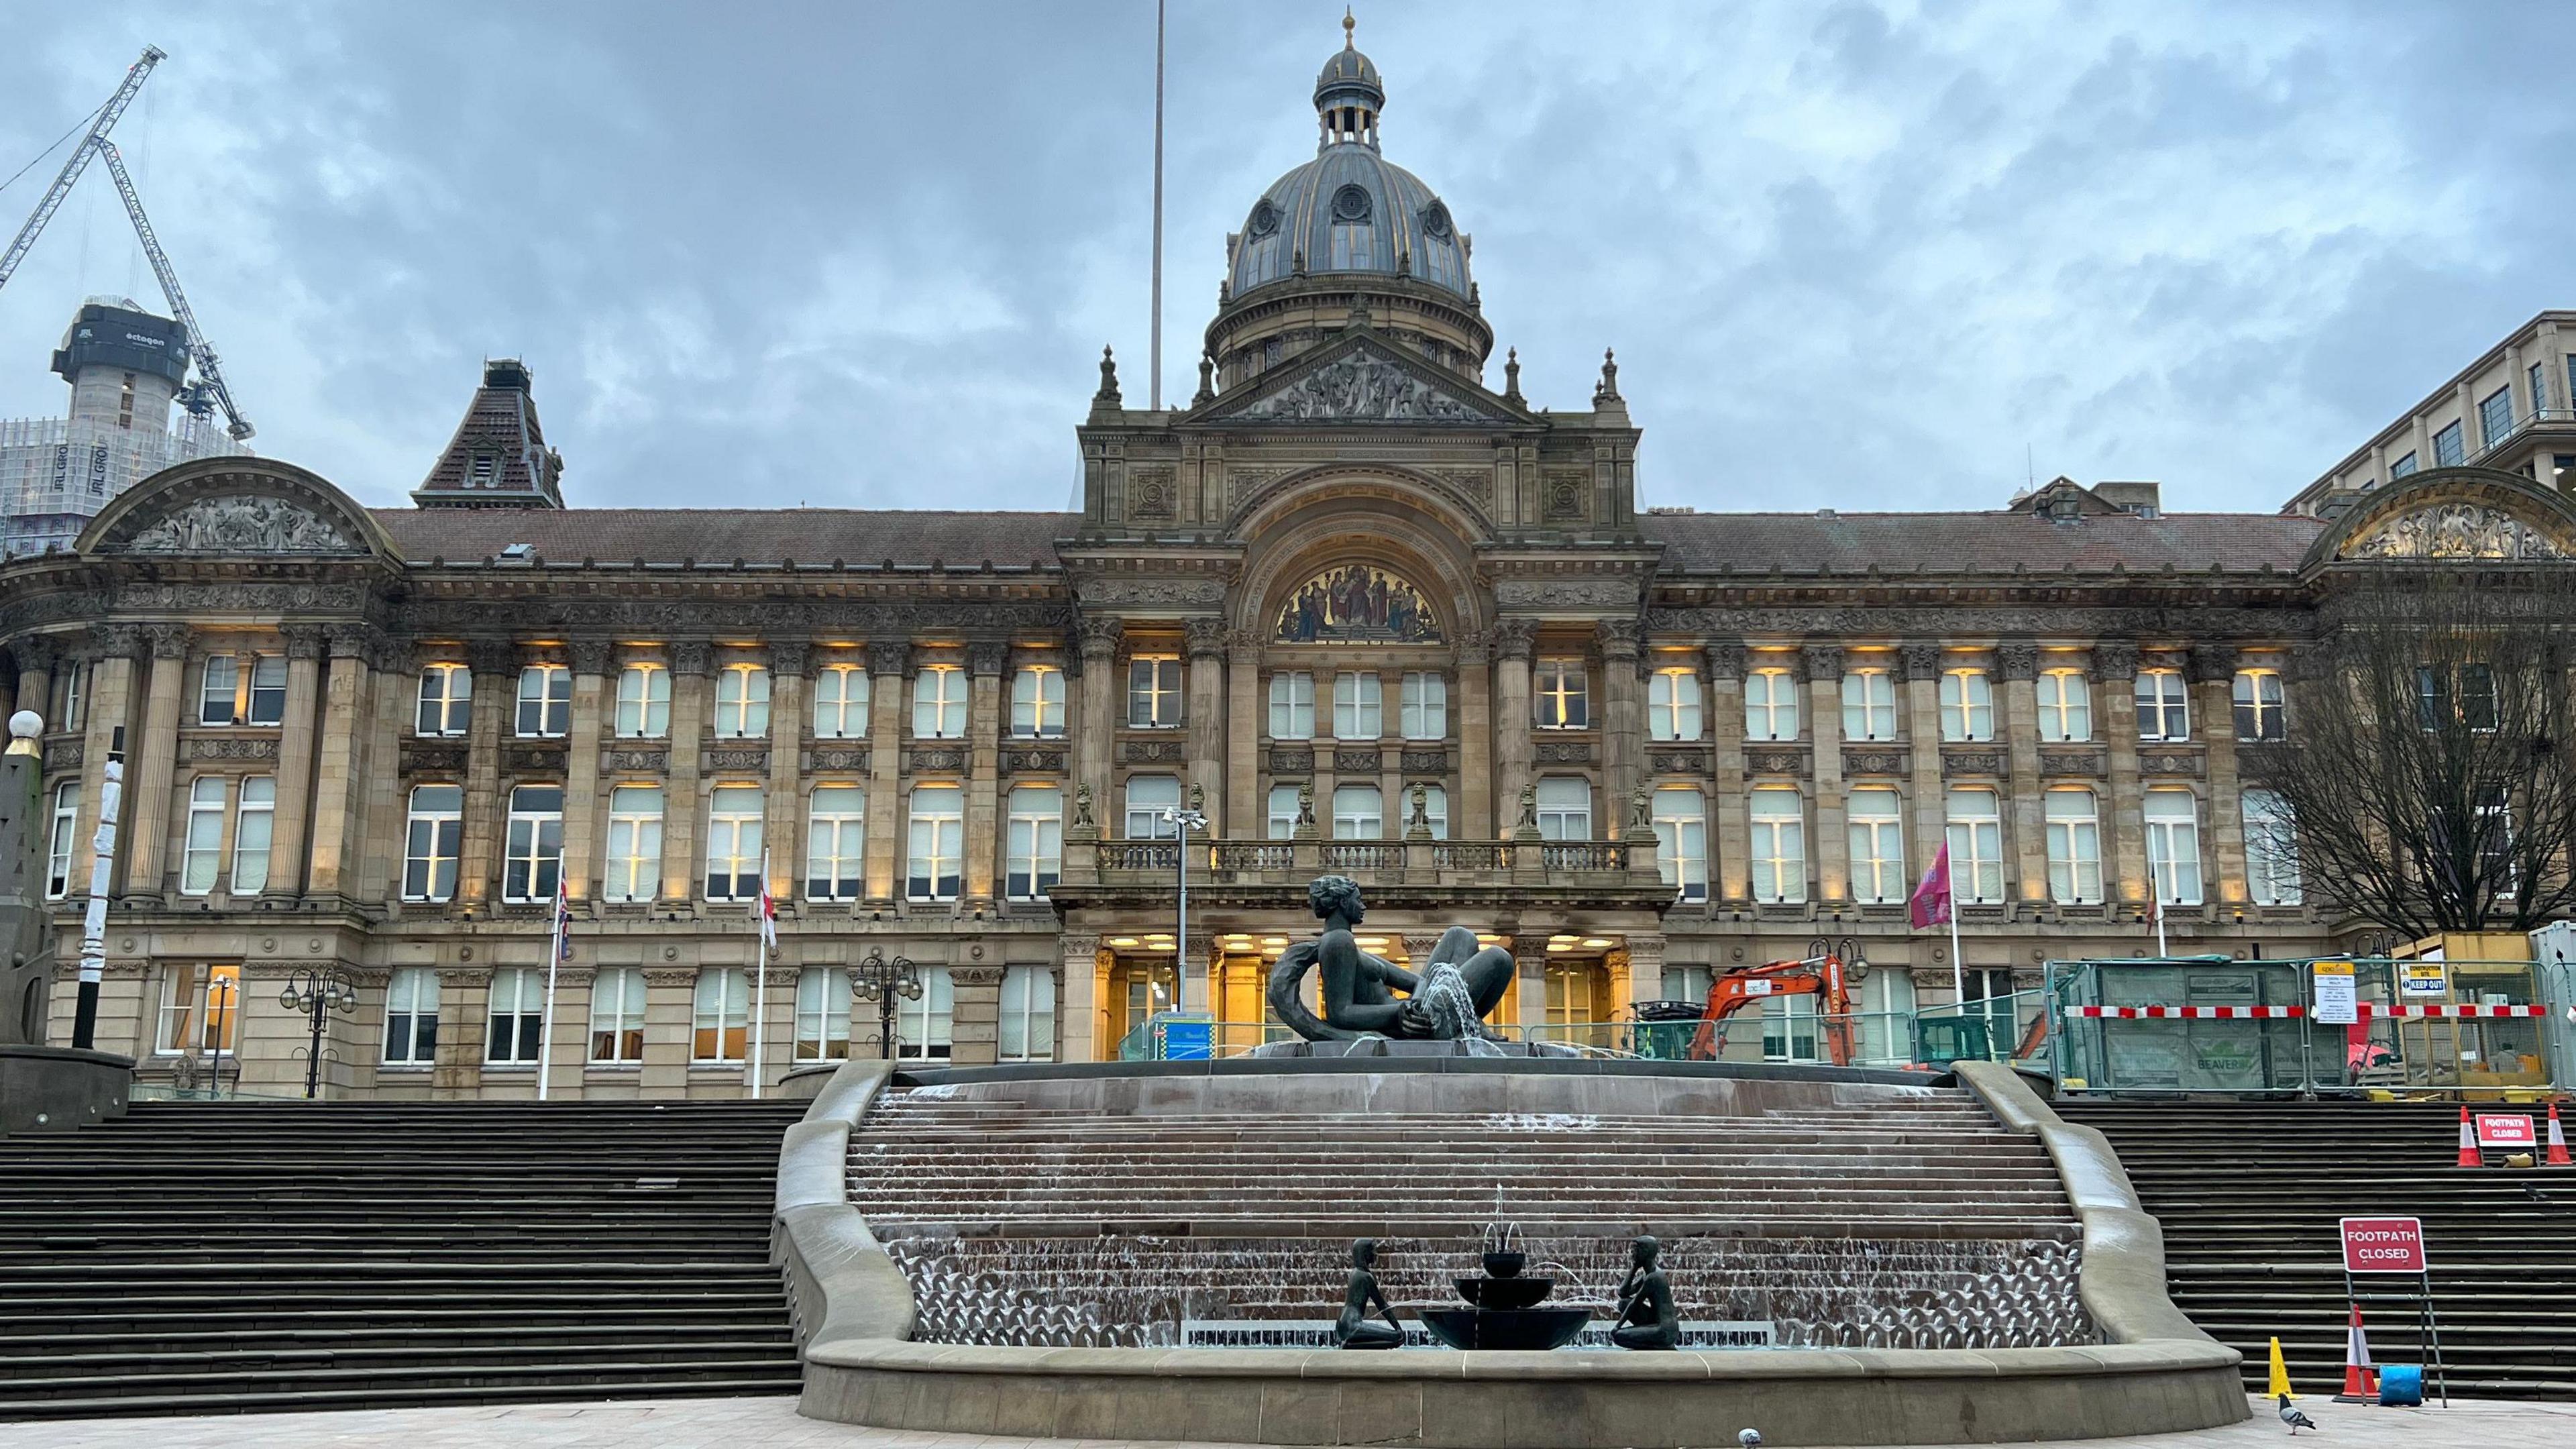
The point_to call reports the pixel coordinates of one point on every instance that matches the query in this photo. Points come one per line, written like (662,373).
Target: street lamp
(317,993)
(219,1005)
(1183,822)
(881,981)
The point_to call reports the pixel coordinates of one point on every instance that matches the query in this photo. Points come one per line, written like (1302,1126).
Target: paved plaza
(773,1424)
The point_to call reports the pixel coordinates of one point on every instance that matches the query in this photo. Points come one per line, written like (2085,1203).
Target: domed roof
(1352,75)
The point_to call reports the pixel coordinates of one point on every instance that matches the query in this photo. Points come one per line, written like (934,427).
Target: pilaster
(2115,684)
(1099,725)
(154,760)
(789,708)
(985,662)
(2213,668)
(1471,816)
(1243,722)
(495,663)
(296,742)
(681,806)
(1207,718)
(1732,837)
(1931,830)
(584,805)
(1623,716)
(336,786)
(1514,641)
(2019,665)
(888,661)
(1824,669)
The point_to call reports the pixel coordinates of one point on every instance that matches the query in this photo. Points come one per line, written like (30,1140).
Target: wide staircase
(2250,1192)
(222,1256)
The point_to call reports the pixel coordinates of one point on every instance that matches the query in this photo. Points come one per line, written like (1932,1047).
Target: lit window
(1770,705)
(248,689)
(430,840)
(939,703)
(1672,705)
(535,846)
(922,1024)
(634,844)
(2271,850)
(2074,846)
(2164,705)
(1148,796)
(841,702)
(938,825)
(835,839)
(643,702)
(2065,706)
(446,701)
(2448,449)
(58,848)
(2259,713)
(411,1017)
(219,690)
(1564,808)
(1779,844)
(1037,703)
(205,836)
(254,821)
(734,816)
(516,1022)
(1967,706)
(199,1007)
(617,1015)
(1033,849)
(1292,706)
(1028,1015)
(1154,692)
(1283,812)
(1359,813)
(1681,841)
(2173,845)
(1869,705)
(1561,703)
(822,1015)
(1359,707)
(545,701)
(71,689)
(719,1015)
(1976,847)
(742,702)
(1877,830)
(1426,706)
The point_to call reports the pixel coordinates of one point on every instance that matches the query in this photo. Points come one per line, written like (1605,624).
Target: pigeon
(1750,1439)
(2291,1416)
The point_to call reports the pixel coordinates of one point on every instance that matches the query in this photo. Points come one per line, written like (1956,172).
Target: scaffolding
(57,473)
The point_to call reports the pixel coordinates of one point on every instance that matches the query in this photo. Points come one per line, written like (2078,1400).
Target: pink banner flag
(1930,904)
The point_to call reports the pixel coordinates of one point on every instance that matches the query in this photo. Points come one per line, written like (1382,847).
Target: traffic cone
(2558,1141)
(2468,1142)
(2279,1387)
(2360,1375)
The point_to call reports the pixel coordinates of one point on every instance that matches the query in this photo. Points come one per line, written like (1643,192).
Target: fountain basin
(1505,1328)
(1504,1292)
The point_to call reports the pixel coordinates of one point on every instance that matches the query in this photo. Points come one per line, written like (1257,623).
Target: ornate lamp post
(317,993)
(1182,823)
(881,981)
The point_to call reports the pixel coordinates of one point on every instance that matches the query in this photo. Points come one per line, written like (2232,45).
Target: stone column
(585,806)
(336,786)
(669,1002)
(495,663)
(1731,828)
(788,708)
(111,697)
(1244,712)
(2223,817)
(975,1021)
(153,760)
(1471,815)
(2019,665)
(295,748)
(36,654)
(386,717)
(1098,728)
(1824,667)
(2115,686)
(1078,997)
(1513,747)
(984,723)
(1623,717)
(888,661)
(1922,663)
(1645,967)
(681,806)
(1206,726)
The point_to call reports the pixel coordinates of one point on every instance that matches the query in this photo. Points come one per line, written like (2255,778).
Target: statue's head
(1336,895)
(1364,1253)
(1642,1252)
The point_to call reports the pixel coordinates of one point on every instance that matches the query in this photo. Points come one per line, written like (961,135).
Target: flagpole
(1958,973)
(2158,906)
(554,958)
(760,977)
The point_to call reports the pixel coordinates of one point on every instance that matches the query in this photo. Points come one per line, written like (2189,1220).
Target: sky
(1862,256)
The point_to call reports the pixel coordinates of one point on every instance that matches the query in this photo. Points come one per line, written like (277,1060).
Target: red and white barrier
(2283,1013)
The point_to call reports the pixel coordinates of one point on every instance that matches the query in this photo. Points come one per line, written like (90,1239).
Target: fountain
(1505,1310)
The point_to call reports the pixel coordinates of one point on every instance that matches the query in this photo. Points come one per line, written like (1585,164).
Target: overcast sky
(867,255)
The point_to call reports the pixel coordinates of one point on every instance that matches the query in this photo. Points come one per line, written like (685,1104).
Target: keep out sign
(2383,1245)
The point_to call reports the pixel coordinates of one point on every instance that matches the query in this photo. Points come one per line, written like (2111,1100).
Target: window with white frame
(841,702)
(936,820)
(545,702)
(1435,810)
(1778,848)
(1673,705)
(446,701)
(634,844)
(2164,705)
(1875,815)
(1359,813)
(1564,807)
(1681,840)
(2065,706)
(2271,850)
(71,690)
(533,850)
(1560,701)
(734,838)
(1037,703)
(59,841)
(835,842)
(719,1015)
(939,702)
(431,832)
(203,852)
(742,702)
(1425,706)
(411,1017)
(1154,692)
(643,702)
(1028,1015)
(516,1023)
(242,689)
(2074,820)
(1770,705)
(1789,1029)
(1033,844)
(822,1015)
(1282,821)
(254,828)
(2173,844)
(200,1005)
(922,1024)
(1359,706)
(1292,705)
(1148,796)
(617,1016)
(218,683)
(1967,706)
(1976,845)
(1869,705)
(2259,712)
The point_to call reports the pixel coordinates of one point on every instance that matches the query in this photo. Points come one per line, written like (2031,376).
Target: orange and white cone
(2468,1142)
(2558,1141)
(2360,1375)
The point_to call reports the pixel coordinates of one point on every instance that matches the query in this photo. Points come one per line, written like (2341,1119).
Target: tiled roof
(499,451)
(721,535)
(1976,542)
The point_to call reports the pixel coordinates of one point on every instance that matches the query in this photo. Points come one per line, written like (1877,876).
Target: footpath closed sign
(2507,1129)
(2338,1002)
(2383,1245)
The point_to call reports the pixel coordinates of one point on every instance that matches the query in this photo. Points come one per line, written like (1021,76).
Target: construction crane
(209,391)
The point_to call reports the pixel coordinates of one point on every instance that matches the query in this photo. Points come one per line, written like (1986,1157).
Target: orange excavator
(1820,975)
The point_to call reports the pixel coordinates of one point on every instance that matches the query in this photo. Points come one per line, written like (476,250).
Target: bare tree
(2427,783)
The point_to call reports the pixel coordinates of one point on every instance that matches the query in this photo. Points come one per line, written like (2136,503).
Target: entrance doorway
(1139,987)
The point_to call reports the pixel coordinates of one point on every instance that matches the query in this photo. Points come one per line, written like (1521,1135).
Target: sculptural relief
(1361,387)
(244,524)
(1356,603)
(2457,531)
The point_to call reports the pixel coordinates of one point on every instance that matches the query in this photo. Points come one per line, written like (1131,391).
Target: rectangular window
(1359,813)
(1282,821)
(719,1015)
(1770,705)
(2447,449)
(2074,846)
(1425,706)
(254,820)
(2164,705)
(1148,796)
(59,843)
(446,701)
(2445,696)
(643,702)
(1869,705)
(1028,1015)
(617,1016)
(199,1007)
(1435,810)
(2402,467)
(742,702)
(515,1026)
(2065,706)
(1673,705)
(1976,846)
(734,816)
(70,691)
(534,848)
(634,844)
(1789,1029)
(411,1017)
(835,840)
(922,1024)
(1564,808)
(1876,816)
(545,702)
(2173,845)
(2259,714)
(205,836)
(822,1015)
(841,702)
(1779,844)
(1561,702)
(2271,850)
(267,689)
(1037,703)
(939,703)
(1359,707)
(2536,379)
(1033,849)
(1681,841)
(938,826)
(1292,706)
(430,839)
(218,689)
(2495,416)
(1154,692)
(1967,706)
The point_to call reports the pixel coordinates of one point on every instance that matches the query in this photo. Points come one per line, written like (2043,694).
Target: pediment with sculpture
(1356,603)
(2456,531)
(1365,383)
(233,506)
